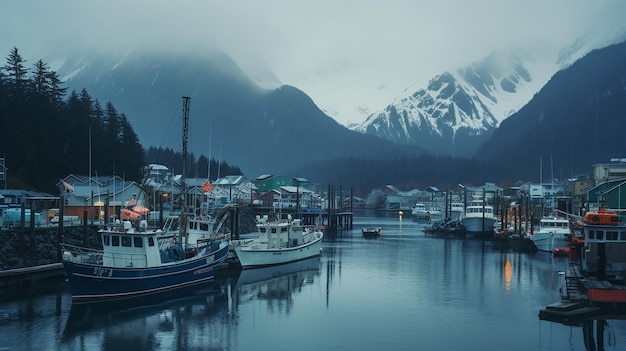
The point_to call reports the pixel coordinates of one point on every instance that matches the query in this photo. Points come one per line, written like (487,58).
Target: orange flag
(206,186)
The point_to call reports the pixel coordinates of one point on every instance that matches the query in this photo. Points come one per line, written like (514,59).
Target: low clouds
(326,48)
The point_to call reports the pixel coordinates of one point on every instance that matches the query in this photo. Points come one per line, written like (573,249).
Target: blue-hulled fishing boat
(135,261)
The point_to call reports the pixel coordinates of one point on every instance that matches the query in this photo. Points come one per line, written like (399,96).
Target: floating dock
(585,298)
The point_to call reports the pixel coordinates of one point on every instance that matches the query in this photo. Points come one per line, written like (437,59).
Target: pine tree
(17,81)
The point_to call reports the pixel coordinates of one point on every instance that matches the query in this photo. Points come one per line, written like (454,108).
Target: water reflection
(276,284)
(176,321)
(406,291)
(203,317)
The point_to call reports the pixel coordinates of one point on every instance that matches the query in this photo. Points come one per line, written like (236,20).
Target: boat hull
(250,257)
(474,225)
(548,242)
(371,232)
(93,282)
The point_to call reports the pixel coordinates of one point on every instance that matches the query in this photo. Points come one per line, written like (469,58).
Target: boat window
(137,242)
(204,227)
(262,229)
(283,229)
(611,235)
(115,240)
(622,235)
(150,242)
(107,240)
(600,235)
(126,241)
(273,230)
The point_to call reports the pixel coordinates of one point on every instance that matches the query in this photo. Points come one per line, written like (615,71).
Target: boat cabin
(128,247)
(554,224)
(197,228)
(479,210)
(604,250)
(283,234)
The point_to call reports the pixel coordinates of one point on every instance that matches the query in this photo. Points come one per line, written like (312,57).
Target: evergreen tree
(16,72)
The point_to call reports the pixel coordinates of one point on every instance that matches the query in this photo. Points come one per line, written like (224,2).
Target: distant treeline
(196,168)
(45,136)
(405,173)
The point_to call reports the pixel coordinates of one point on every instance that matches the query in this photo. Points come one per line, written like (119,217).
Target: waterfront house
(98,197)
(611,194)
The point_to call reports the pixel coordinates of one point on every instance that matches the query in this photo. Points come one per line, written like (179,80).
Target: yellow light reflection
(508,272)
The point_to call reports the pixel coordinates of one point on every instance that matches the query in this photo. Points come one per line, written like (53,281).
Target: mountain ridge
(260,130)
(483,94)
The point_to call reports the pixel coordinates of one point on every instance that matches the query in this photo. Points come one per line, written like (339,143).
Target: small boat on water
(554,235)
(419,211)
(278,241)
(371,232)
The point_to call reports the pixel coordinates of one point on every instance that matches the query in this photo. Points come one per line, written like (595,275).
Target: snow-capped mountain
(459,110)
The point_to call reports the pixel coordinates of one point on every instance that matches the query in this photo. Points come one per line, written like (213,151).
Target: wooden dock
(574,290)
(578,303)
(23,281)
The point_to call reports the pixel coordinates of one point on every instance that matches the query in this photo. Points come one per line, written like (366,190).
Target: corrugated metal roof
(230,180)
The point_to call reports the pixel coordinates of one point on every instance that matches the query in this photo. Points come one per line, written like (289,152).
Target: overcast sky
(340,52)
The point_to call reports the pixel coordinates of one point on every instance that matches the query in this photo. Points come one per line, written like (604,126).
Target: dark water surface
(405,291)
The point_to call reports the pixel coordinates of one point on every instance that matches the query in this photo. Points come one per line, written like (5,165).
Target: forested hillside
(47,133)
(45,136)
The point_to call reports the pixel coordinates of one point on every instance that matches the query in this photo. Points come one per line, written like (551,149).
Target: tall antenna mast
(183,186)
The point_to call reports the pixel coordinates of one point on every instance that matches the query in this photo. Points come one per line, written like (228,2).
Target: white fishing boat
(278,241)
(479,218)
(419,211)
(554,233)
(457,210)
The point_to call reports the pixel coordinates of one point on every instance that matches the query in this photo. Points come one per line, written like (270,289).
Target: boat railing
(167,239)
(241,242)
(205,241)
(80,254)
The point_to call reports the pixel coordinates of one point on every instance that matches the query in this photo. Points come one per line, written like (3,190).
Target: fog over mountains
(281,130)
(231,118)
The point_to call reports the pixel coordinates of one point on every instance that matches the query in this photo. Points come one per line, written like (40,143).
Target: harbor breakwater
(21,249)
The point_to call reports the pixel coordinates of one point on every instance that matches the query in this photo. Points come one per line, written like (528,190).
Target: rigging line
(175,117)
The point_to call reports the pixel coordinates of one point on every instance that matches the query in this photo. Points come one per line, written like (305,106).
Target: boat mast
(183,192)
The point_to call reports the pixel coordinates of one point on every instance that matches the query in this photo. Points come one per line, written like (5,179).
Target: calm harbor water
(404,291)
